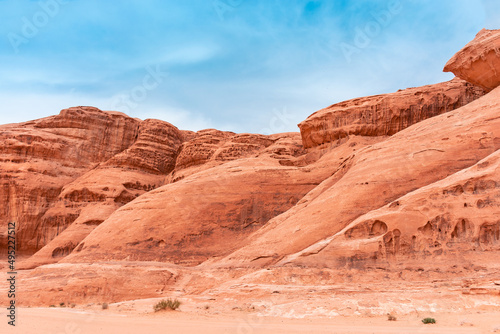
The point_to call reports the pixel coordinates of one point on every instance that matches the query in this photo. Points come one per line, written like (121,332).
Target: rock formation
(479,61)
(89,200)
(380,174)
(209,213)
(40,157)
(385,115)
(405,183)
(450,218)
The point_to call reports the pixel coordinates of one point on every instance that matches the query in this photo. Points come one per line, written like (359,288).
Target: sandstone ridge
(385,115)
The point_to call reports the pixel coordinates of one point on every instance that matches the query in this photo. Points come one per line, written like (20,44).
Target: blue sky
(240,65)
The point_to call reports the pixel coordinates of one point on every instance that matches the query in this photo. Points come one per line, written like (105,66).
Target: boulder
(479,61)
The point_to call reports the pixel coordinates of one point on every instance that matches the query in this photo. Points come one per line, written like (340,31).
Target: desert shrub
(391,317)
(168,304)
(62,304)
(429,321)
(105,306)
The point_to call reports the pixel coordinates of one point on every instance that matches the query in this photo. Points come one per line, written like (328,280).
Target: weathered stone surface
(448,219)
(364,203)
(479,61)
(201,148)
(141,156)
(39,158)
(385,115)
(89,200)
(209,213)
(210,148)
(377,175)
(154,151)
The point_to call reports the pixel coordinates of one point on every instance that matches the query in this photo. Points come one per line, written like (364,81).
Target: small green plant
(429,321)
(62,304)
(52,306)
(168,304)
(391,317)
(105,306)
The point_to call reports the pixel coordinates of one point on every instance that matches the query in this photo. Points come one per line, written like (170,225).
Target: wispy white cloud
(183,119)
(231,72)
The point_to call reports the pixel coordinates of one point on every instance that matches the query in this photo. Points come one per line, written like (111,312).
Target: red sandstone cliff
(375,182)
(40,157)
(385,115)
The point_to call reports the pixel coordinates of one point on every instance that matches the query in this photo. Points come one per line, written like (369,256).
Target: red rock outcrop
(209,213)
(449,219)
(113,159)
(377,175)
(210,147)
(141,156)
(401,186)
(40,157)
(387,114)
(479,61)
(94,196)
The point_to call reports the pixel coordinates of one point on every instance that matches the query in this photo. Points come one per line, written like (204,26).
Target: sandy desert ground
(92,320)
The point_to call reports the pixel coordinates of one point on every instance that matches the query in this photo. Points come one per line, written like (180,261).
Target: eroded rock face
(385,115)
(450,219)
(377,175)
(201,148)
(95,136)
(100,161)
(104,160)
(479,61)
(210,148)
(209,213)
(154,151)
(362,195)
(90,199)
(40,157)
